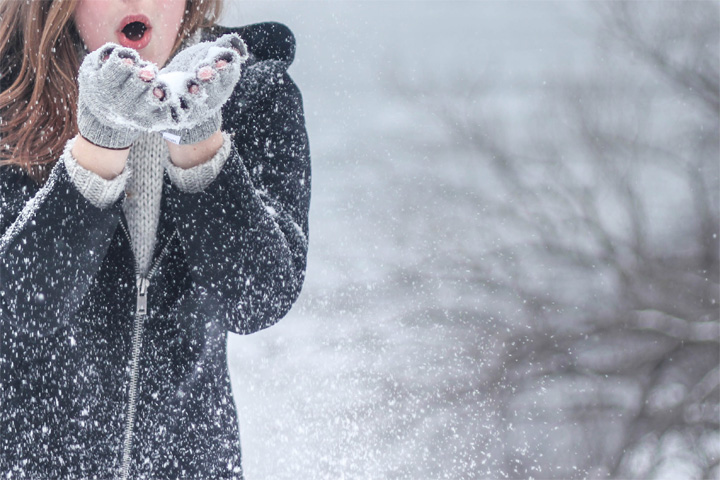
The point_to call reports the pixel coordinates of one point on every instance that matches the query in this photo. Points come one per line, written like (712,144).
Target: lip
(134,44)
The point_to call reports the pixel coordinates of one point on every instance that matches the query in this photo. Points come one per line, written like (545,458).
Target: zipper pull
(142,288)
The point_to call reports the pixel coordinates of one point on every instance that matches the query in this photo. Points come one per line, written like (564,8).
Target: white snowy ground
(370,376)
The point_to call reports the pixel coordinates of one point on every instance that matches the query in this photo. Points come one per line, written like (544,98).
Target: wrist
(195,134)
(107,163)
(194,154)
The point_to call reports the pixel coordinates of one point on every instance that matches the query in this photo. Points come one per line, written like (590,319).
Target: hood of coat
(271,50)
(268,41)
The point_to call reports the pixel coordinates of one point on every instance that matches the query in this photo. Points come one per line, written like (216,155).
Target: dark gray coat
(231,258)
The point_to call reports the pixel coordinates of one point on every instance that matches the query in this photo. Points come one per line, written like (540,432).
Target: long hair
(39,60)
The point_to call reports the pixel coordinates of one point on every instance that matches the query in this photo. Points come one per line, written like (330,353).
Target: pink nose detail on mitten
(146,74)
(206,73)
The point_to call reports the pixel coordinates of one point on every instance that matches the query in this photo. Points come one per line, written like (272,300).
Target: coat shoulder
(265,41)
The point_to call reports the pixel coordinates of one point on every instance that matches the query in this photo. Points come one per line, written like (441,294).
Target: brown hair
(38,91)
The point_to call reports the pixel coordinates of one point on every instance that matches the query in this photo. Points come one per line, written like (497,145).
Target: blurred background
(513,266)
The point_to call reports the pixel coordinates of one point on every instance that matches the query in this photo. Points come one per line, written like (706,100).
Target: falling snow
(512,271)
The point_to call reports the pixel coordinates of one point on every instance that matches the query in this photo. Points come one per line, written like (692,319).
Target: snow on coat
(230,258)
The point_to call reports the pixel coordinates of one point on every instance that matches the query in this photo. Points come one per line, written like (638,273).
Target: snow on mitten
(200,79)
(120,96)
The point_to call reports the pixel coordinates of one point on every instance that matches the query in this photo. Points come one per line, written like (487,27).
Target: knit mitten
(201,78)
(120,96)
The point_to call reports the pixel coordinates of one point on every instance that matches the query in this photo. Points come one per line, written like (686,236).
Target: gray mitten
(120,96)
(200,80)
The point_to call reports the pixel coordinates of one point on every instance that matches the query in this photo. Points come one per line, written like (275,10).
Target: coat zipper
(141,312)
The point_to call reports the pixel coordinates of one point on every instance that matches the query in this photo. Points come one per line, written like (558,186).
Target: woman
(143,214)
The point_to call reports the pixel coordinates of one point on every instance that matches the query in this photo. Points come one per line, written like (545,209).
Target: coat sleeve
(53,243)
(245,236)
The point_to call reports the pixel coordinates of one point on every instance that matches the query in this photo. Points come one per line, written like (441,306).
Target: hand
(120,96)
(200,80)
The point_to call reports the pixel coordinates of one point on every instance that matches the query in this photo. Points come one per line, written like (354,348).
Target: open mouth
(134,32)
